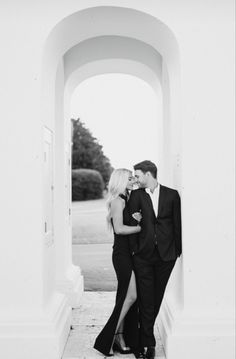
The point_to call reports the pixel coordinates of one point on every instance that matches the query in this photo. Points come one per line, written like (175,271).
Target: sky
(121,111)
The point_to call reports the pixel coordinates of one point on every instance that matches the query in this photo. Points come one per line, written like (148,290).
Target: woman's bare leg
(130,298)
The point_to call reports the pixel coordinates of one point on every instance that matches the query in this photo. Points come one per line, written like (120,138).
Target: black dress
(122,263)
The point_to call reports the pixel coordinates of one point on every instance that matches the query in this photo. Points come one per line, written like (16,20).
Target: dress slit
(105,339)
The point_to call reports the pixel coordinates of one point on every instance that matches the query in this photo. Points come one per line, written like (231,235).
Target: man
(156,248)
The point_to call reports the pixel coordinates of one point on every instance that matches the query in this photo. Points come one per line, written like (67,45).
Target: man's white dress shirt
(154,197)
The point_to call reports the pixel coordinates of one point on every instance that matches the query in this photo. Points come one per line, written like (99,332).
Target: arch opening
(77,50)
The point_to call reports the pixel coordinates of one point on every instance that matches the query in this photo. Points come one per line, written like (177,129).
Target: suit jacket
(163,230)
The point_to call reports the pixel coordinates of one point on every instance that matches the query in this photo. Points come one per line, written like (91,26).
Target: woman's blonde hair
(116,186)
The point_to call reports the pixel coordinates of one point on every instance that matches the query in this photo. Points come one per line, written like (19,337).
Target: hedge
(86,184)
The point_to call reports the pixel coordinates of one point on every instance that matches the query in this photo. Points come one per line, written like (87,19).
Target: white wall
(208,162)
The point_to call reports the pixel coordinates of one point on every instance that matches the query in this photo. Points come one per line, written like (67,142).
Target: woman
(121,331)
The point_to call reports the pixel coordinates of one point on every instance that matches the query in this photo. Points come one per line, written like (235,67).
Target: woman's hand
(137,216)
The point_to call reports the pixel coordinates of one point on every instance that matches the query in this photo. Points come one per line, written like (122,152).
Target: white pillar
(35,318)
(68,277)
(198,322)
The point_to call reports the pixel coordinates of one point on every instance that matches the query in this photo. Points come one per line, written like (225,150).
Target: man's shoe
(150,353)
(139,353)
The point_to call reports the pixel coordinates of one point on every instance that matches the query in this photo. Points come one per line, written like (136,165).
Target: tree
(87,152)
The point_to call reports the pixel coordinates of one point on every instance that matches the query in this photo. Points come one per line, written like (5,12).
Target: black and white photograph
(117,179)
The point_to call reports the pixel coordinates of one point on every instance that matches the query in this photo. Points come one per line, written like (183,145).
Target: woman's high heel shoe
(119,348)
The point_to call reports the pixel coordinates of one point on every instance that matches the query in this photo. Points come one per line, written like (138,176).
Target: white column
(35,318)
(68,276)
(198,321)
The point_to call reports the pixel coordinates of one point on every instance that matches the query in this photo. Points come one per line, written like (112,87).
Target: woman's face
(131,182)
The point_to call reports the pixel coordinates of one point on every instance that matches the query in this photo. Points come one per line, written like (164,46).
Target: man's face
(141,178)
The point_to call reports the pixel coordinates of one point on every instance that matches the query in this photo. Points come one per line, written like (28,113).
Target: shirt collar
(149,191)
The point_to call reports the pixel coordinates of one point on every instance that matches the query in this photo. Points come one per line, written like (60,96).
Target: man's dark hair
(147,166)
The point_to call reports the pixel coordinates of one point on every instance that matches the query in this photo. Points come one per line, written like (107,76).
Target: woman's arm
(134,206)
(117,207)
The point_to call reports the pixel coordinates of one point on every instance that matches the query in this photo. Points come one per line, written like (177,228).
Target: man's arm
(177,224)
(133,206)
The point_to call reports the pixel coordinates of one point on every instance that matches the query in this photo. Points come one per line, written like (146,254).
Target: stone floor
(88,320)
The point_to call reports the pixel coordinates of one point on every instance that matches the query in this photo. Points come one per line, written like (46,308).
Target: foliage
(86,184)
(87,152)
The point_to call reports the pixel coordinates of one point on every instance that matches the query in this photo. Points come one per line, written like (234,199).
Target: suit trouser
(152,275)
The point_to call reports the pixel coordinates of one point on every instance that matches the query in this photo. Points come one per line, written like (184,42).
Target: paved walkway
(88,320)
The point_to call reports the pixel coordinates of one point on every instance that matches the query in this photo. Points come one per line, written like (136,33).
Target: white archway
(113,54)
(88,43)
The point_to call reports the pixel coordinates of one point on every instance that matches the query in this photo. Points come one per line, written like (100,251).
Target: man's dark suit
(154,251)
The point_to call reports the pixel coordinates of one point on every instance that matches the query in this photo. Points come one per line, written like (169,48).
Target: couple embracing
(147,241)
